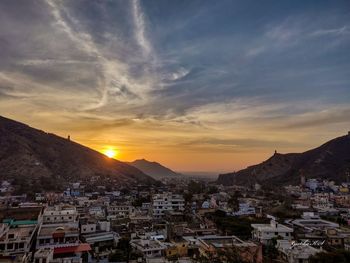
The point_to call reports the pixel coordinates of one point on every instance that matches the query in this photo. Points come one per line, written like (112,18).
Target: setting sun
(111,153)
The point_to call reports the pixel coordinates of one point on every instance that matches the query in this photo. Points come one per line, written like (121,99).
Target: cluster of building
(171,224)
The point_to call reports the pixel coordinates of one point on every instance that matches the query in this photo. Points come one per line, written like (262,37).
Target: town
(180,220)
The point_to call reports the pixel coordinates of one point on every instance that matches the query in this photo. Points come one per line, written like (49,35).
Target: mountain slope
(329,161)
(33,157)
(154,169)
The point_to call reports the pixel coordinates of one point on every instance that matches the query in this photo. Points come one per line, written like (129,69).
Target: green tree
(195,187)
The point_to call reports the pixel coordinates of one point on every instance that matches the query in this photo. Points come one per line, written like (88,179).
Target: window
(21,245)
(276,233)
(11,236)
(9,246)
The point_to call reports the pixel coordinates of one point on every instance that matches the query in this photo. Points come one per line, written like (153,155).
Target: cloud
(158,74)
(323,118)
(140,29)
(342,31)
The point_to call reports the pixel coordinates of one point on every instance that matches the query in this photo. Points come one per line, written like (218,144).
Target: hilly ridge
(154,169)
(36,158)
(329,161)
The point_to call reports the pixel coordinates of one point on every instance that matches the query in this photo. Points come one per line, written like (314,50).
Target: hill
(329,161)
(154,169)
(34,159)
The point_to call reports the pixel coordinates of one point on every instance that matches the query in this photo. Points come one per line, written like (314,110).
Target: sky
(195,85)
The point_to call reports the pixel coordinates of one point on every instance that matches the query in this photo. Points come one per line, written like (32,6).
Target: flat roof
(48,230)
(268,227)
(72,249)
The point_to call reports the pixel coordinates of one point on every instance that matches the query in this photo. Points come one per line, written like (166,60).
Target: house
(17,237)
(292,252)
(265,232)
(70,254)
(99,236)
(227,248)
(60,214)
(244,210)
(149,248)
(176,250)
(59,234)
(310,222)
(167,202)
(120,210)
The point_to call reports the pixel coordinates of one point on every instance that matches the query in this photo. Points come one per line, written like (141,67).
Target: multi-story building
(17,237)
(265,232)
(120,210)
(148,248)
(213,247)
(59,233)
(293,253)
(167,202)
(60,214)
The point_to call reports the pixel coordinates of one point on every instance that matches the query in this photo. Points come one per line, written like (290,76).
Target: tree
(212,189)
(337,256)
(271,250)
(195,187)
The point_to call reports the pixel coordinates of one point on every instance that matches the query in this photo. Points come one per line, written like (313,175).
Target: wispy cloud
(174,75)
(116,81)
(140,29)
(342,31)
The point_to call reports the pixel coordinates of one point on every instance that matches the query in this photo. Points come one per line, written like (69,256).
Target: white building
(244,209)
(265,232)
(60,214)
(205,205)
(120,210)
(97,211)
(149,248)
(57,235)
(310,222)
(312,184)
(88,228)
(294,253)
(167,202)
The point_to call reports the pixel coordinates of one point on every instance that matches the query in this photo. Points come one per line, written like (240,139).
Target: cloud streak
(178,77)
